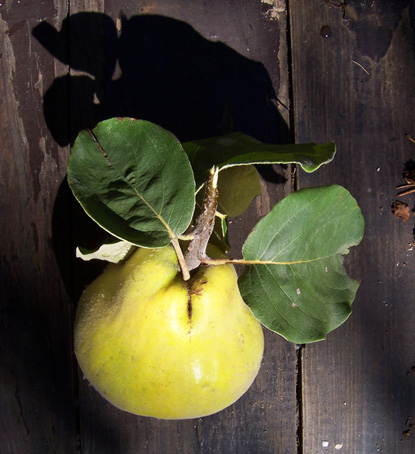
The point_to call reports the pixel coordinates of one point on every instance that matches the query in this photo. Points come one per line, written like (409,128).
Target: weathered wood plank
(37,369)
(356,87)
(202,69)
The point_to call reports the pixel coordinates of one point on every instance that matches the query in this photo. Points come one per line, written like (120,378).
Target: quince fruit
(155,345)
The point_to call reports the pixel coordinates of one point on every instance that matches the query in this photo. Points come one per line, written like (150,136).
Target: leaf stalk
(180,258)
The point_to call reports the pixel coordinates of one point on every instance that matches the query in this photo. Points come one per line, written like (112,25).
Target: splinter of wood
(410,188)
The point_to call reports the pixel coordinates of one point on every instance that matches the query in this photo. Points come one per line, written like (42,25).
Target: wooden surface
(330,70)
(357,387)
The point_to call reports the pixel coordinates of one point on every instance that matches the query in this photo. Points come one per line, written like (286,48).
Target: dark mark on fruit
(189,306)
(198,291)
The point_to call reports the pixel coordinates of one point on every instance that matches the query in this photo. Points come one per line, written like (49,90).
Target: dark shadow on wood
(72,227)
(168,74)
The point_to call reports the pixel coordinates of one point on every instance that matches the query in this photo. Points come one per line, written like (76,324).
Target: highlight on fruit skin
(154,345)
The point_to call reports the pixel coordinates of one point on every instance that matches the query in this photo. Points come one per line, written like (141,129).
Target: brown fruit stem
(205,223)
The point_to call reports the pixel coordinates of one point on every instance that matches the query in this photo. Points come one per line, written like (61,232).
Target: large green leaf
(134,179)
(296,284)
(239,149)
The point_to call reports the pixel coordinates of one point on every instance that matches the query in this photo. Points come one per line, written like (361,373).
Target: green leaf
(220,236)
(237,187)
(134,179)
(296,284)
(114,252)
(239,149)
(223,221)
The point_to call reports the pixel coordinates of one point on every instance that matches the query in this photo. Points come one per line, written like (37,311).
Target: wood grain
(37,369)
(355,88)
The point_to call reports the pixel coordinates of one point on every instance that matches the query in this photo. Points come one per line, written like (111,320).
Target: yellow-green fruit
(155,345)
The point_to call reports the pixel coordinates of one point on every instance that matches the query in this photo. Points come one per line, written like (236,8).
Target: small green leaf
(113,252)
(134,179)
(223,218)
(237,187)
(220,236)
(296,285)
(239,149)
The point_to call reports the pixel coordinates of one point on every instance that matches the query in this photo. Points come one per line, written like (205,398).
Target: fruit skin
(154,345)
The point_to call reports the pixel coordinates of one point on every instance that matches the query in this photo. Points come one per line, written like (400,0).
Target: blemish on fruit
(189,307)
(198,291)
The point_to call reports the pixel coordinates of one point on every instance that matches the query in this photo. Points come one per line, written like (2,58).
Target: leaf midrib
(134,189)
